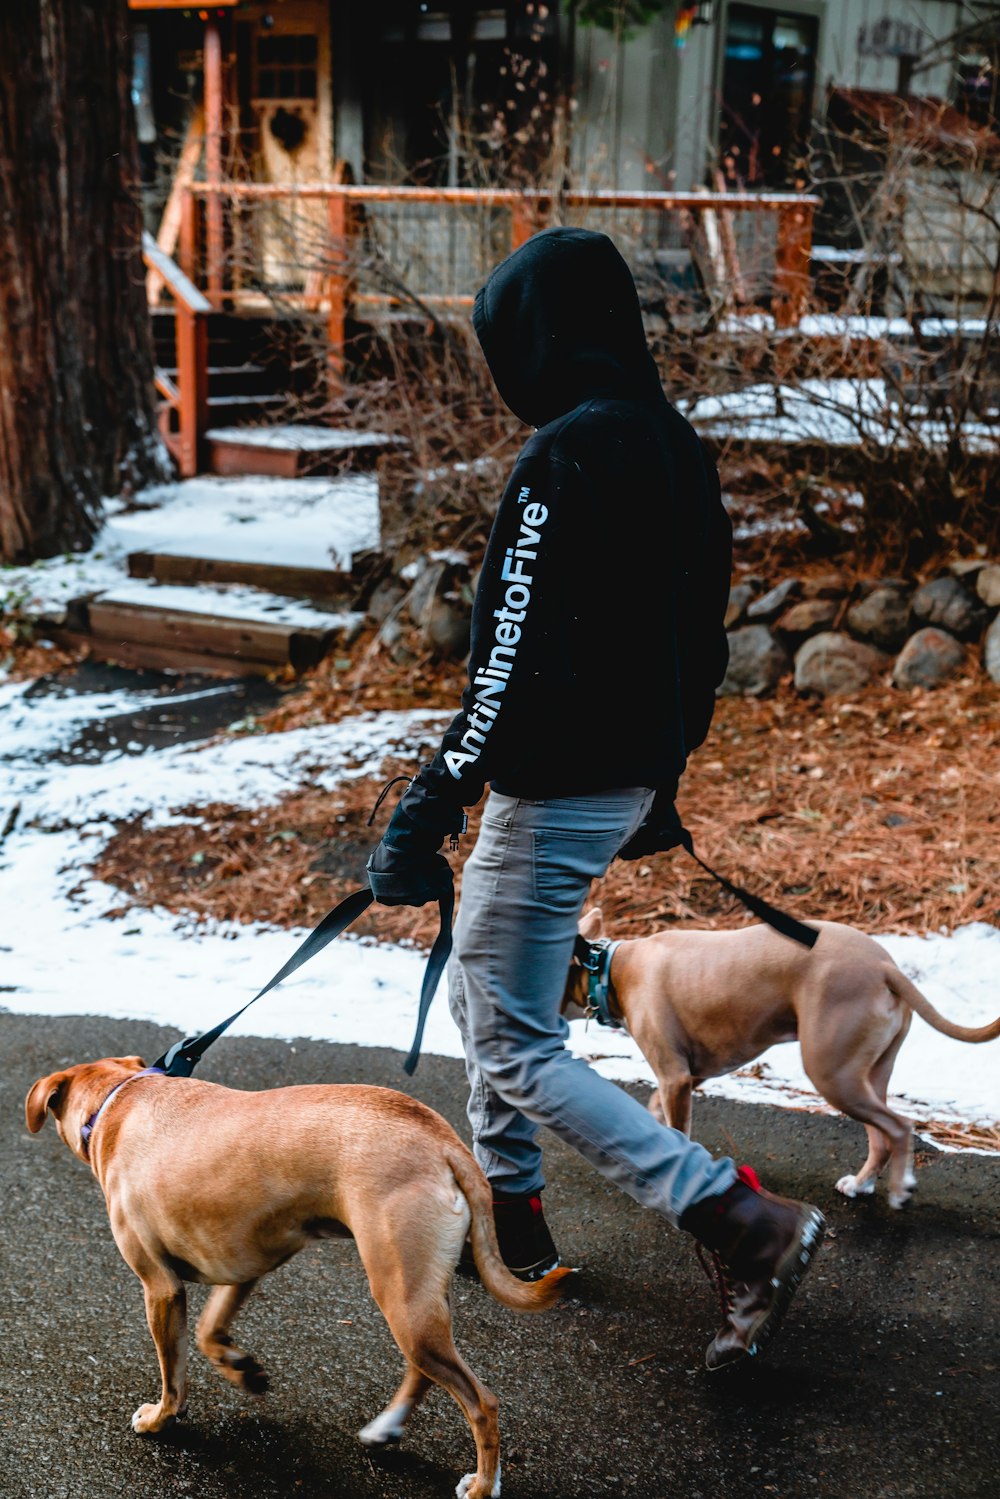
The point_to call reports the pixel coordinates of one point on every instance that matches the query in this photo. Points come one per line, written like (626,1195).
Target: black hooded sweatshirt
(597,629)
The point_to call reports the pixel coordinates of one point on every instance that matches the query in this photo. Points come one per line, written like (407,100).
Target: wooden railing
(336,214)
(186,401)
(528,211)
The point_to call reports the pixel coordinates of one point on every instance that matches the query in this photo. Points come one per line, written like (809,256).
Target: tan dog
(701,1004)
(208,1184)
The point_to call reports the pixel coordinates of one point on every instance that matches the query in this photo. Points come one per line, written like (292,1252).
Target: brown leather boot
(762,1246)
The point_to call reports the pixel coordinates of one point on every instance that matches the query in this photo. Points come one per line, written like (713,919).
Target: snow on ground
(295,522)
(855,326)
(229,601)
(934,1077)
(840,413)
(304,439)
(61,953)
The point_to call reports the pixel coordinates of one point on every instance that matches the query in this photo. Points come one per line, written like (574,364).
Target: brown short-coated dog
(701,1004)
(210,1184)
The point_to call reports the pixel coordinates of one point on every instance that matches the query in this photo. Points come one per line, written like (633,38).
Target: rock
(807,618)
(864,586)
(427,583)
(991,653)
(773,602)
(386,596)
(757,662)
(988,585)
(964,567)
(446,627)
(391,632)
(826,586)
(882,618)
(927,659)
(739,597)
(833,663)
(945,603)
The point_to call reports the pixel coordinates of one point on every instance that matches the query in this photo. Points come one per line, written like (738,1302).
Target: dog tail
(903,989)
(519,1295)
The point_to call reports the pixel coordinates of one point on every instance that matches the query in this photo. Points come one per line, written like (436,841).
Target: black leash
(183,1057)
(436,962)
(596,954)
(787,925)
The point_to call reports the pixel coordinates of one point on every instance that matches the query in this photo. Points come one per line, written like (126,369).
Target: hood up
(559,323)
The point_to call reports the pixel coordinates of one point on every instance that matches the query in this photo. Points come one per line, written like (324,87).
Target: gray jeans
(523,890)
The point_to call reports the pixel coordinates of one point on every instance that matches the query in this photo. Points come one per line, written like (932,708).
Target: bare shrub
(889,387)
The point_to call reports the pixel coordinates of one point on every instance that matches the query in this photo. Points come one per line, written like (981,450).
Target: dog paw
(149,1419)
(899,1199)
(385,1428)
(470,1488)
(250,1375)
(849,1186)
(238,1368)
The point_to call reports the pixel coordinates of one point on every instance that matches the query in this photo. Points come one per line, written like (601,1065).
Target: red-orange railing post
(192,383)
(189,396)
(187,239)
(791,263)
(522,223)
(214,232)
(340,223)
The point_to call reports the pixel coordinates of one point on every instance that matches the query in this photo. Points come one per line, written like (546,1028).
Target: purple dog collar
(88,1129)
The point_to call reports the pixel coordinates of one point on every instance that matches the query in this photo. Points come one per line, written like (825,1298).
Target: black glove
(406,869)
(661,829)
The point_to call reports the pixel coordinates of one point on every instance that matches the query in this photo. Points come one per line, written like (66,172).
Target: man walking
(597,645)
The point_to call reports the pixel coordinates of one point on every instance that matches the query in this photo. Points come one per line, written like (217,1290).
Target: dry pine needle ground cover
(882,811)
(23,659)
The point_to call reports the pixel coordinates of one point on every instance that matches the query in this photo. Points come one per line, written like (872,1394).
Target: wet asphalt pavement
(178,708)
(885,1381)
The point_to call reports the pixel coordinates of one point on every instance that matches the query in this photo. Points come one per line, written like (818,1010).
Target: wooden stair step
(274,577)
(265,399)
(225,380)
(285,450)
(238,629)
(313,525)
(231,369)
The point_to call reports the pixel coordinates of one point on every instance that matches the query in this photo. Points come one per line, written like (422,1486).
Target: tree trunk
(76,361)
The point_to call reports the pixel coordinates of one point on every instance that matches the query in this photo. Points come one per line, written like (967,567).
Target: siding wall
(645,102)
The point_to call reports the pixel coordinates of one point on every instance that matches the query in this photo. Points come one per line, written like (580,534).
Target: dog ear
(591,923)
(134,1064)
(43,1096)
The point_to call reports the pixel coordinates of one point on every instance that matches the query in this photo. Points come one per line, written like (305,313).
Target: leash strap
(787,925)
(184,1056)
(436,961)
